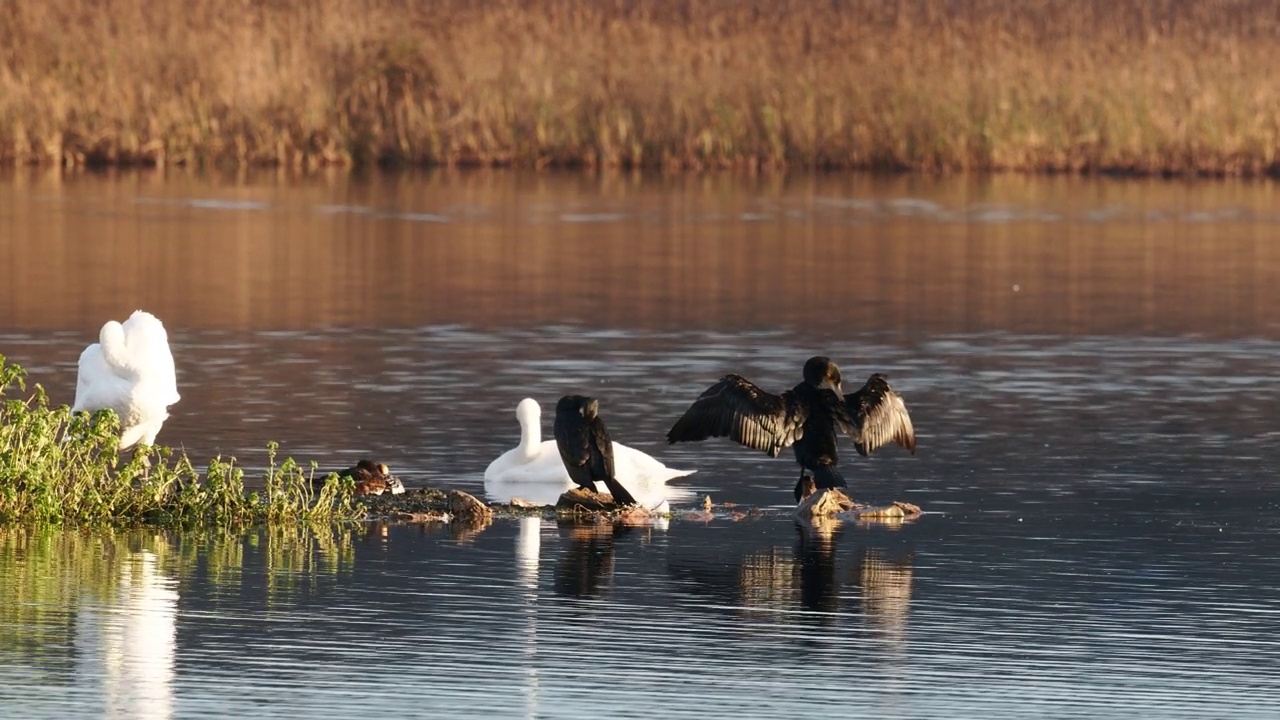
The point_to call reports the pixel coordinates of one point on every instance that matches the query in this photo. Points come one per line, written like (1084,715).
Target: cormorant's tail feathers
(828,477)
(620,494)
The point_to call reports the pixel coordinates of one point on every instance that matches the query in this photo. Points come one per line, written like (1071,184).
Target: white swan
(129,370)
(535,461)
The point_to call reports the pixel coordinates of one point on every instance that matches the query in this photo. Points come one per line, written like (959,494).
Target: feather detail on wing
(601,450)
(879,417)
(735,408)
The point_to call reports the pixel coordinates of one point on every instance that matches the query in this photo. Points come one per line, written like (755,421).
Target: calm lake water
(1091,366)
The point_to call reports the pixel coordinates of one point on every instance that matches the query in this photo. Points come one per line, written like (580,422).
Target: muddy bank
(428,505)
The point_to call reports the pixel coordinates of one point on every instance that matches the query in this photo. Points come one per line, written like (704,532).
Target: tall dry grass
(1147,85)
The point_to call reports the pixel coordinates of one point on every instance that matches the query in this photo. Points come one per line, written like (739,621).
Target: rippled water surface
(1091,367)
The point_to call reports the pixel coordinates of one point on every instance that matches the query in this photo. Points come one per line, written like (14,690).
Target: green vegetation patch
(60,467)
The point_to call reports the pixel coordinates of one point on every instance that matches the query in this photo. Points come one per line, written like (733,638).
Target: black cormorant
(807,417)
(585,447)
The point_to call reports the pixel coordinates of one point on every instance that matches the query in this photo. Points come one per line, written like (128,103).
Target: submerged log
(896,510)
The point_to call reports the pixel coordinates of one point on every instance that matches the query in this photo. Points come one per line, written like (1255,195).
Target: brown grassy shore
(1145,86)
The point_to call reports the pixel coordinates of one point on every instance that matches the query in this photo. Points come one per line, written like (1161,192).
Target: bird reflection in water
(528,549)
(135,641)
(587,564)
(814,577)
(884,578)
(815,565)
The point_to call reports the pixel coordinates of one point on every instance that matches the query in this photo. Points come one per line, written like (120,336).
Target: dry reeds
(1150,86)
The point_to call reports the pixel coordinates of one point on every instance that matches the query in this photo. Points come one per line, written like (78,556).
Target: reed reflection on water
(924,255)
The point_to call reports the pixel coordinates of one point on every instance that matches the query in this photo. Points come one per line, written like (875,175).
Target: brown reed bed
(1145,86)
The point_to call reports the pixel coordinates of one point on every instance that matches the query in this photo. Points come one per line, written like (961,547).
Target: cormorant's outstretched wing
(735,408)
(877,416)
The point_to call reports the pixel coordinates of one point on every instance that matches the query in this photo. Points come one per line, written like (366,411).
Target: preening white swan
(535,461)
(130,370)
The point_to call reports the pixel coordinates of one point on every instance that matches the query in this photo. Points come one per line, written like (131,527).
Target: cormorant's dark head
(587,407)
(820,372)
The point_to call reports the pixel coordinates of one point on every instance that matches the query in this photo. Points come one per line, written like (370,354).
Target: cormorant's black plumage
(805,417)
(585,446)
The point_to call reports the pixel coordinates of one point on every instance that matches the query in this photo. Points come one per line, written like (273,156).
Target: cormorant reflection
(813,575)
(587,564)
(815,565)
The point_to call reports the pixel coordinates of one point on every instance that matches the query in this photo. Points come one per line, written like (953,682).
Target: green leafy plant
(62,467)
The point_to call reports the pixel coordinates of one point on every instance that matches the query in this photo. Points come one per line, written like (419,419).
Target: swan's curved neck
(530,436)
(114,348)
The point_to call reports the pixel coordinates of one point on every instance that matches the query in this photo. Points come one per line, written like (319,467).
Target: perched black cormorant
(585,447)
(807,417)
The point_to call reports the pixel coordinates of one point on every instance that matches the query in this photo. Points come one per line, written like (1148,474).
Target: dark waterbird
(371,478)
(806,417)
(585,446)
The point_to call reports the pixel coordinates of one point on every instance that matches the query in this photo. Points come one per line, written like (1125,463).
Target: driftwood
(580,501)
(831,502)
(420,517)
(898,509)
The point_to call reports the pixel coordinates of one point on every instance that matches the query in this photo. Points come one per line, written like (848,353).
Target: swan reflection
(528,548)
(130,641)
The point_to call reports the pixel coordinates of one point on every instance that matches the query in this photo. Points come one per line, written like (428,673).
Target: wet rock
(467,508)
(581,500)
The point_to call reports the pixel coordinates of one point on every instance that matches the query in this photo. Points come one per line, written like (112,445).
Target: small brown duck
(371,478)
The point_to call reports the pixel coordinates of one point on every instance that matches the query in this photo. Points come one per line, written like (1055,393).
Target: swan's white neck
(530,437)
(114,348)
(530,417)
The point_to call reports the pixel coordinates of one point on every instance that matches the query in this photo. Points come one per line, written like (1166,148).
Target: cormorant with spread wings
(585,446)
(806,417)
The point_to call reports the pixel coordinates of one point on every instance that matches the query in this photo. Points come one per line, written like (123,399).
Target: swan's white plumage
(130,370)
(535,461)
(533,471)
